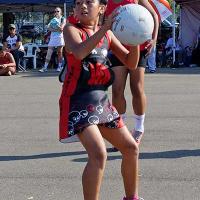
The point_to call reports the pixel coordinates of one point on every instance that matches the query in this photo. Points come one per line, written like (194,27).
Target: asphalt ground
(34,165)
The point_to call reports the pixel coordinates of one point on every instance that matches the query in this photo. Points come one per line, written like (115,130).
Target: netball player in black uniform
(85,109)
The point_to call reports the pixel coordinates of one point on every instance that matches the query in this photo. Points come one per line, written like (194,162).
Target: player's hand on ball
(110,19)
(149,46)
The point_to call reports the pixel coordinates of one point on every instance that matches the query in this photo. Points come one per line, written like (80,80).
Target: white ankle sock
(139,122)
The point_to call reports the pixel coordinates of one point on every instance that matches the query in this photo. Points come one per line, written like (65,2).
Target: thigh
(137,79)
(92,140)
(118,137)
(121,73)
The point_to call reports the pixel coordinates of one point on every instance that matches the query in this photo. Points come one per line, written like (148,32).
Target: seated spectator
(188,56)
(13,44)
(179,52)
(7,63)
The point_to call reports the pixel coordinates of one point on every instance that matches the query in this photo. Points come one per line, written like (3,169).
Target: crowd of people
(161,54)
(184,56)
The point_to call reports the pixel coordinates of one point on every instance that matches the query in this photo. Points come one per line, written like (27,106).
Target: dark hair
(1,48)
(104,2)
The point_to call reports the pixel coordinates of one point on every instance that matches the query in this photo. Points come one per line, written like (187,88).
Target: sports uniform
(84,100)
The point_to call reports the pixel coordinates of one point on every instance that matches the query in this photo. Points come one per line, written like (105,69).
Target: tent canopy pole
(174,32)
(65,10)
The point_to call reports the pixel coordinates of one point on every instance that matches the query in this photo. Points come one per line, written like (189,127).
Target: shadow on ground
(34,73)
(150,155)
(163,70)
(181,70)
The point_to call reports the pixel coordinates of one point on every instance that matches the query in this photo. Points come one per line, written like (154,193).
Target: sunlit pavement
(34,165)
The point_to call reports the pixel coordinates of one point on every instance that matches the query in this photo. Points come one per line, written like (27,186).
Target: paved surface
(35,166)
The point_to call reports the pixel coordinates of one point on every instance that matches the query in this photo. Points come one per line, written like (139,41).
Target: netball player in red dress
(85,109)
(136,77)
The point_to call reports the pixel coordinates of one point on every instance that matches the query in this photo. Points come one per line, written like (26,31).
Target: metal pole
(65,10)
(174,32)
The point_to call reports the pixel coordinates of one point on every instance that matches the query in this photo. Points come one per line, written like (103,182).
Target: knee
(137,90)
(99,158)
(131,150)
(12,69)
(117,92)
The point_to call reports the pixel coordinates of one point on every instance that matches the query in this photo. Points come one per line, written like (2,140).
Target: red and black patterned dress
(84,99)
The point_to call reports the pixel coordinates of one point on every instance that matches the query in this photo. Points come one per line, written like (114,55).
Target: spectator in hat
(13,44)
(7,63)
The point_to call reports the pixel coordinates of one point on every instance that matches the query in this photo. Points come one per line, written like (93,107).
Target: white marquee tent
(189,21)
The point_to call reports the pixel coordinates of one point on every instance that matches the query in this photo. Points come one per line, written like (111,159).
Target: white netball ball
(133,25)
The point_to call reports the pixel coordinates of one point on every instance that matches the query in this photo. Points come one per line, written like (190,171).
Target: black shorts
(116,62)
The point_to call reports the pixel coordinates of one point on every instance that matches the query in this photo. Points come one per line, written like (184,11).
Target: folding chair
(31,50)
(21,68)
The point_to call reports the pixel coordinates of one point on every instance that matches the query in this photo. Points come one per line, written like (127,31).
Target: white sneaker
(137,135)
(43,70)
(59,69)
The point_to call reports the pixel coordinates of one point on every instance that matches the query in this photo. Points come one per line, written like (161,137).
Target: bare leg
(12,70)
(122,139)
(137,90)
(8,71)
(118,88)
(60,54)
(49,54)
(138,102)
(93,173)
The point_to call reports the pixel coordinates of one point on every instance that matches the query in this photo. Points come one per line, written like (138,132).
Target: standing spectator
(151,61)
(13,44)
(56,26)
(7,63)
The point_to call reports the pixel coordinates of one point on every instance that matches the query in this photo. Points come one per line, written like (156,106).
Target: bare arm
(62,25)
(5,46)
(80,49)
(53,29)
(128,58)
(18,44)
(12,61)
